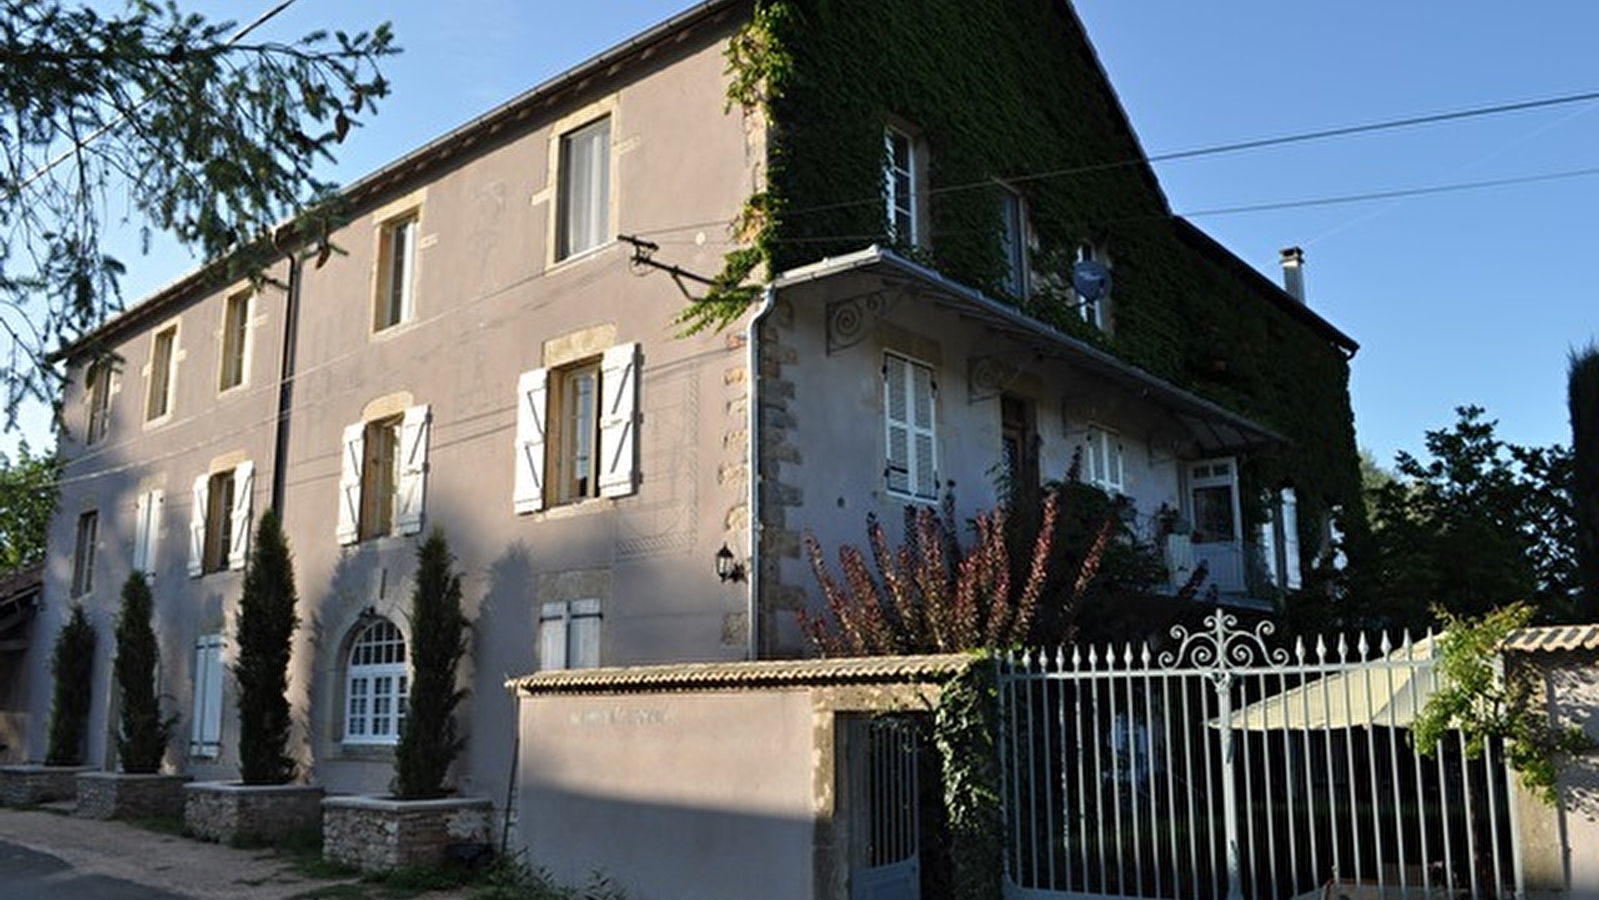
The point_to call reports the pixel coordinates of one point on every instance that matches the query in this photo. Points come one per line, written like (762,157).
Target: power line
(1394,194)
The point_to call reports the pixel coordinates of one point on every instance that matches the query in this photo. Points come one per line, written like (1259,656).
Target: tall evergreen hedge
(428,738)
(1583,396)
(142,732)
(267,620)
(72,667)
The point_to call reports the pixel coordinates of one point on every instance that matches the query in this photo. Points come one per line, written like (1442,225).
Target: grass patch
(173,825)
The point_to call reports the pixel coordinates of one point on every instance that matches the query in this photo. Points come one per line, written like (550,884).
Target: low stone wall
(28,785)
(117,795)
(231,812)
(377,834)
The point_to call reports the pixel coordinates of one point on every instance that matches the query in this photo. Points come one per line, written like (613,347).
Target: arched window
(375,685)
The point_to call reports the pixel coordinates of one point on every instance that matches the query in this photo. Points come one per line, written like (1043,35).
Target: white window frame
(205,716)
(97,389)
(569,634)
(162,373)
(1014,242)
(399,238)
(583,186)
(902,170)
(86,539)
(1221,472)
(1279,540)
(219,527)
(377,678)
(234,346)
(147,530)
(398,505)
(543,442)
(1104,458)
(910,427)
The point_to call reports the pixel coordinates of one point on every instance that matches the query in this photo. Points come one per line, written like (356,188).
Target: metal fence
(1220,766)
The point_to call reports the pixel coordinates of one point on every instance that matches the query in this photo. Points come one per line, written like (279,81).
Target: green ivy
(964,727)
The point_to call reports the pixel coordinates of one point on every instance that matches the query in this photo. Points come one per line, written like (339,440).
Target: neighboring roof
(745,675)
(1203,418)
(1285,301)
(465,138)
(20,591)
(1553,639)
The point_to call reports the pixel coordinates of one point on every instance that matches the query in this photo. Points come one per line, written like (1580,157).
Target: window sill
(578,257)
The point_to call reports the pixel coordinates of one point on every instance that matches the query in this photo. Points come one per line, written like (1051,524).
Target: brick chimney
(1293,260)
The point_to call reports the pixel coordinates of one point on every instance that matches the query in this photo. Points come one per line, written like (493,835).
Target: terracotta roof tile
(745,675)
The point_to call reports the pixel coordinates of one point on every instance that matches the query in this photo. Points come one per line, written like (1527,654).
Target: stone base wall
(380,834)
(229,812)
(116,795)
(30,785)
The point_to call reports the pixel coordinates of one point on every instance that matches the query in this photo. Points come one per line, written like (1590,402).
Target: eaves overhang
(20,595)
(761,674)
(1212,425)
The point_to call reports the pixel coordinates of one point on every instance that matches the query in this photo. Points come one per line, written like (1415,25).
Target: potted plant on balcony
(72,668)
(140,790)
(419,823)
(265,804)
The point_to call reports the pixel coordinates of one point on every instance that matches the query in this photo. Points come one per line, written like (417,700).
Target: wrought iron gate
(887,788)
(1222,768)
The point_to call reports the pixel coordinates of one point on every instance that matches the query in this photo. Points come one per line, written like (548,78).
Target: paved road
(31,875)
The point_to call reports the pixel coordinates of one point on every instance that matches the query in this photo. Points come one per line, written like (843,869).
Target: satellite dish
(1091,280)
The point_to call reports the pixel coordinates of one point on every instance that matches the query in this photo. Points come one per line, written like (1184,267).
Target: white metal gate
(1221,768)
(887,789)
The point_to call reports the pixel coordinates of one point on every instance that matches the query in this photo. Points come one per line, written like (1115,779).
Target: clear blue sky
(1474,296)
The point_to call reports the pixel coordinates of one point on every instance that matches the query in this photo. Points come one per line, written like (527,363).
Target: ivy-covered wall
(1010,91)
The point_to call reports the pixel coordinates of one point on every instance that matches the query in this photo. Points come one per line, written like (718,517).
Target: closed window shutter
(205,732)
(619,371)
(147,530)
(926,462)
(1292,577)
(552,636)
(532,395)
(202,497)
(349,524)
(583,638)
(413,469)
(243,494)
(896,417)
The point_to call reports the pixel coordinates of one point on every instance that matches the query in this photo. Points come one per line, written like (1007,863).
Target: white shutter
(532,395)
(619,390)
(926,461)
(896,419)
(147,530)
(583,634)
(349,527)
(205,729)
(243,495)
(202,496)
(413,470)
(1290,516)
(552,636)
(1268,547)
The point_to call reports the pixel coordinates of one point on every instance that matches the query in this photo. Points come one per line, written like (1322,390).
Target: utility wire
(1393,194)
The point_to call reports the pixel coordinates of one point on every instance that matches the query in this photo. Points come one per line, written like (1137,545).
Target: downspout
(753,574)
(291,327)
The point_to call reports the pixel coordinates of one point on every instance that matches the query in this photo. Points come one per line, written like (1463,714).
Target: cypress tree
(142,733)
(266,624)
(428,739)
(1583,396)
(72,667)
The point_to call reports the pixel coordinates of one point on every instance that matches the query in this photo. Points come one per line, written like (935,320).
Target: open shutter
(243,493)
(205,728)
(1268,547)
(349,527)
(619,372)
(1290,514)
(413,470)
(147,530)
(532,398)
(922,431)
(897,467)
(202,505)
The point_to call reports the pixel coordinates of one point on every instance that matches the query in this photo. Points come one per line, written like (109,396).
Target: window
(162,360)
(97,381)
(383,476)
(908,391)
(219,532)
(576,431)
(1279,540)
(1102,459)
(1019,447)
(569,635)
(147,530)
(376,684)
(583,207)
(235,340)
(83,553)
(900,176)
(396,299)
(1213,494)
(205,718)
(1014,241)
(1094,305)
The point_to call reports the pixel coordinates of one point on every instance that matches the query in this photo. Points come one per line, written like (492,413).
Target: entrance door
(1213,509)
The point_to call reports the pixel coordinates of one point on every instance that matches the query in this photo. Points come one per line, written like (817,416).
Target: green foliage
(1583,400)
(211,140)
(1488,702)
(28,493)
(428,739)
(515,880)
(964,726)
(72,668)
(142,732)
(266,624)
(1479,524)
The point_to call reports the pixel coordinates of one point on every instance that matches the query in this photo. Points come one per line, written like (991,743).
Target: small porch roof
(779,673)
(1214,427)
(20,591)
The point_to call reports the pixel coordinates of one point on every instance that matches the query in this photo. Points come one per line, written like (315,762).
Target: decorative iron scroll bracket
(848,320)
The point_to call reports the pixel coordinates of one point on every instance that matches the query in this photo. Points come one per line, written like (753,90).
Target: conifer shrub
(72,667)
(428,738)
(142,732)
(266,624)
